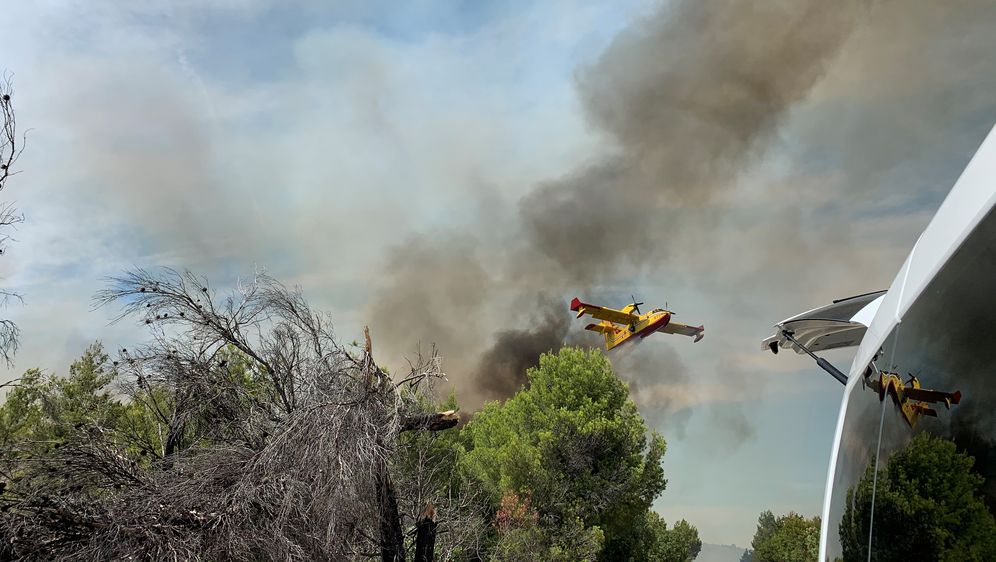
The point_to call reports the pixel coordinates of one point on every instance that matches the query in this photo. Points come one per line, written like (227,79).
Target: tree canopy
(789,538)
(572,448)
(242,431)
(928,506)
(677,544)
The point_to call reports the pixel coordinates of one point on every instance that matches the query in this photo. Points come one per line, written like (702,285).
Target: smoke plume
(501,370)
(687,98)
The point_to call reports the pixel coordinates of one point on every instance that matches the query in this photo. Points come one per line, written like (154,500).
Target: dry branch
(430,422)
(261,438)
(11,148)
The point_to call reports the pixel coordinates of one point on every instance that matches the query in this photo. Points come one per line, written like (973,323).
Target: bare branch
(11,148)
(256,435)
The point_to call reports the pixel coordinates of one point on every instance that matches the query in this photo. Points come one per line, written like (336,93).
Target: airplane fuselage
(629,324)
(646,325)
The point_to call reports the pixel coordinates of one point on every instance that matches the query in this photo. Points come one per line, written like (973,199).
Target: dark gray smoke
(433,290)
(686,96)
(502,368)
(690,99)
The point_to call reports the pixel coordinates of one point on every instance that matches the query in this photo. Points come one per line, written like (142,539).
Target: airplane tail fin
(578,306)
(700,335)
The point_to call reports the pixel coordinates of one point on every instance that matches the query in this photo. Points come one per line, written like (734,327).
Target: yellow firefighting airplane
(634,323)
(910,398)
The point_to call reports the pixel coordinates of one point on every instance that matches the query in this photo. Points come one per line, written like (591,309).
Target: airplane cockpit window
(915,475)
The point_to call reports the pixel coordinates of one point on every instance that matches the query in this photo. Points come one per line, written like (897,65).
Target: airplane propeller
(636,305)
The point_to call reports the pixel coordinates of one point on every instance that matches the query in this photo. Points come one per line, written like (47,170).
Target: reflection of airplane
(912,400)
(633,322)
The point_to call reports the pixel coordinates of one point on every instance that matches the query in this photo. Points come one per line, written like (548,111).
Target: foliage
(789,538)
(574,443)
(679,544)
(243,431)
(212,443)
(927,507)
(522,537)
(41,411)
(426,468)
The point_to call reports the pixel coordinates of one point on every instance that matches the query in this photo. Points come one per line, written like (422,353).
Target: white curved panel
(969,201)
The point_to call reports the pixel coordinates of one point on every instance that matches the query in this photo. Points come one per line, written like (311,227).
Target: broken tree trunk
(430,422)
(392,539)
(425,535)
(392,547)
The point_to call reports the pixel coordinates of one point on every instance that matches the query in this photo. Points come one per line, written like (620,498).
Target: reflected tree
(928,506)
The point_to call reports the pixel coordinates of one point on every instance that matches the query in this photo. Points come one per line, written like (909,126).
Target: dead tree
(11,148)
(257,435)
(425,534)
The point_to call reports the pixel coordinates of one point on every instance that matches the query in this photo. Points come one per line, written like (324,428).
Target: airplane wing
(602,313)
(697,332)
(603,328)
(933,396)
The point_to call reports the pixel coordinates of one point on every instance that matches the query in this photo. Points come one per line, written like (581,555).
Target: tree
(43,410)
(575,445)
(747,556)
(928,506)
(789,538)
(522,536)
(10,149)
(681,543)
(242,431)
(427,473)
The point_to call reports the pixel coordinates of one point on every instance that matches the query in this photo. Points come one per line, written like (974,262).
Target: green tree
(42,410)
(574,443)
(681,543)
(247,433)
(789,538)
(927,507)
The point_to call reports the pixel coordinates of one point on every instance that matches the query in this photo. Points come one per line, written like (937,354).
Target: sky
(454,172)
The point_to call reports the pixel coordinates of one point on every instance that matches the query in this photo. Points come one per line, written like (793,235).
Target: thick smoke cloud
(686,99)
(687,96)
(501,370)
(432,291)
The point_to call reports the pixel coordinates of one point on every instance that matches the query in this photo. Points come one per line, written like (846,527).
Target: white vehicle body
(868,320)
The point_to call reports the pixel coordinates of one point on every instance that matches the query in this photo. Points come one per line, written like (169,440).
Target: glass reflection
(933,494)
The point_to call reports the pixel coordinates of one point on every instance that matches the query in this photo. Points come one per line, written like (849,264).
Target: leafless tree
(257,436)
(435,494)
(11,148)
